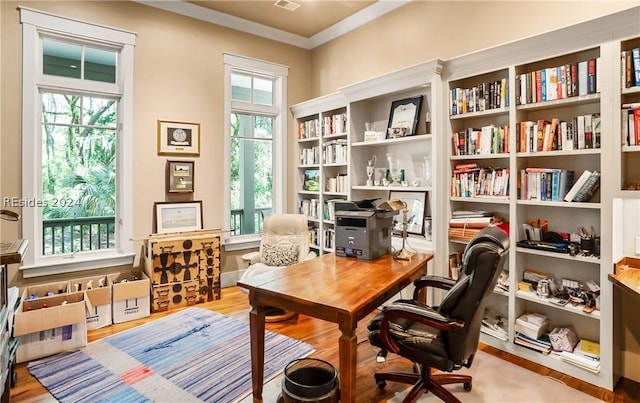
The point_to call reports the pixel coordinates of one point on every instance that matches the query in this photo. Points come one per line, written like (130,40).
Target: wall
(179,75)
(425,30)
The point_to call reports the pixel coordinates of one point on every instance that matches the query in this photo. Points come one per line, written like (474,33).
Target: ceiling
(311,24)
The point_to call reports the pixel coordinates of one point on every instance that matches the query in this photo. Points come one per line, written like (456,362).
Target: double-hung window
(255,147)
(76,144)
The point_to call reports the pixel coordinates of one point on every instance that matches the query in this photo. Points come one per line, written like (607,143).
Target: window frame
(35,25)
(278,73)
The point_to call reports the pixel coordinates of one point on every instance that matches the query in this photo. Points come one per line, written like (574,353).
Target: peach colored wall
(179,75)
(425,30)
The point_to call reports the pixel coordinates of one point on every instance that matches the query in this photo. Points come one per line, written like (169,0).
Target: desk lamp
(399,205)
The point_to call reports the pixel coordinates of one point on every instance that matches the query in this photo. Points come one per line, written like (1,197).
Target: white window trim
(253,66)
(34,23)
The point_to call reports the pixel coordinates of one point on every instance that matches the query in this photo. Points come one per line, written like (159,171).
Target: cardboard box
(58,327)
(98,311)
(41,290)
(130,299)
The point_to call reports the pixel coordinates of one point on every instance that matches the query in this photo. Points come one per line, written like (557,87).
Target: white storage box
(532,325)
(130,298)
(98,291)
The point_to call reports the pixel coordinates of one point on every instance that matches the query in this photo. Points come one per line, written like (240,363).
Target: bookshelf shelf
(560,103)
(486,113)
(571,205)
(531,296)
(566,256)
(389,142)
(479,157)
(482,199)
(560,153)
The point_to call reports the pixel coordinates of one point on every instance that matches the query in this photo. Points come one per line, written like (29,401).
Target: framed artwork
(180,176)
(178,138)
(416,207)
(177,216)
(403,118)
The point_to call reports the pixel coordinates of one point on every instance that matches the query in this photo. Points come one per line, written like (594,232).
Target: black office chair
(443,337)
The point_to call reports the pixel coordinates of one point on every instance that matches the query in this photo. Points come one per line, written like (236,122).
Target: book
(635,56)
(577,185)
(311,180)
(588,348)
(589,188)
(566,179)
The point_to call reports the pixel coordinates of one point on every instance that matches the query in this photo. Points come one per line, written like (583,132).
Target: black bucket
(310,380)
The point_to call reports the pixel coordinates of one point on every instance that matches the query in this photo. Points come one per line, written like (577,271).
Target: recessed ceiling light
(286,4)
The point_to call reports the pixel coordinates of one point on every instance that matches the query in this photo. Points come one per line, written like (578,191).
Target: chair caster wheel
(381,384)
(467,386)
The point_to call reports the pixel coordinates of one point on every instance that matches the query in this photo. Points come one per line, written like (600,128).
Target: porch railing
(68,235)
(237,220)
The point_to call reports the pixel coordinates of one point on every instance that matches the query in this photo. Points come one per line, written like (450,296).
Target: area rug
(496,380)
(192,355)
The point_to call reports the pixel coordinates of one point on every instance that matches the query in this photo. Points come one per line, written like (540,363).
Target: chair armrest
(415,312)
(251,257)
(444,283)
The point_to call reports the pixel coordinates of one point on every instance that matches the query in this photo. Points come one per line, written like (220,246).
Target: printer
(362,230)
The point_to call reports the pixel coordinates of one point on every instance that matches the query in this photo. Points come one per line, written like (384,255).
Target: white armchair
(285,240)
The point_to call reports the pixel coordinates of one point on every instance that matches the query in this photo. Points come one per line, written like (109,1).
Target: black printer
(362,230)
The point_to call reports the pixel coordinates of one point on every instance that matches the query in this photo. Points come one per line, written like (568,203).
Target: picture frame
(178,138)
(416,205)
(180,176)
(403,117)
(171,217)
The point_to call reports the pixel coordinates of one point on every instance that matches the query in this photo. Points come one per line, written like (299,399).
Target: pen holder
(588,245)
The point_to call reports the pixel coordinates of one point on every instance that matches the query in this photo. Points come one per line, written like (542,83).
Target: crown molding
(350,23)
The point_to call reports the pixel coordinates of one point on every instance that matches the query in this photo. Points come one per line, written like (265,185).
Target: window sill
(242,243)
(76,263)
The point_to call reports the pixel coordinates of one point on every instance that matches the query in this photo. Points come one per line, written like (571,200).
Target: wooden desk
(336,289)
(627,276)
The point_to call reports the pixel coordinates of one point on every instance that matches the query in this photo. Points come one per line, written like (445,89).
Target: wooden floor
(323,336)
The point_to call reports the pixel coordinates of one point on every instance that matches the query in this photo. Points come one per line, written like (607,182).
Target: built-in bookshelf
(321,129)
(630,114)
(560,126)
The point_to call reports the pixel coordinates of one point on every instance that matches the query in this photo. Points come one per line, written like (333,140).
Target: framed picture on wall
(177,216)
(178,138)
(180,176)
(416,206)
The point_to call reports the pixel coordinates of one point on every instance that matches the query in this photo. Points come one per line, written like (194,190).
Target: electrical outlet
(638,245)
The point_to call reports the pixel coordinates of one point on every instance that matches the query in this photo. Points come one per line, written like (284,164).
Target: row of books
(471,180)
(553,184)
(314,235)
(559,82)
(329,238)
(584,357)
(313,128)
(309,156)
(630,122)
(335,152)
(310,208)
(485,140)
(339,184)
(484,96)
(630,67)
(582,132)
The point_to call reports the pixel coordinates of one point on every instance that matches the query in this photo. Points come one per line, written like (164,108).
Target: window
(255,111)
(76,208)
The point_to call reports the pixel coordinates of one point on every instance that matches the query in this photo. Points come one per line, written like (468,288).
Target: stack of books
(464,225)
(542,344)
(585,355)
(493,324)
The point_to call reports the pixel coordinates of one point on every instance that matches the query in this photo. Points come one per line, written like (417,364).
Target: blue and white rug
(192,355)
